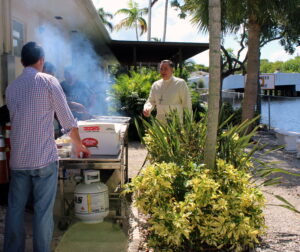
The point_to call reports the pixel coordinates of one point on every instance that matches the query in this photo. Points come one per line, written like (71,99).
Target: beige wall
(5,44)
(6,25)
(1,28)
(33,19)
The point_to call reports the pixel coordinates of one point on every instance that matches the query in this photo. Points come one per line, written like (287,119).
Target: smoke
(75,51)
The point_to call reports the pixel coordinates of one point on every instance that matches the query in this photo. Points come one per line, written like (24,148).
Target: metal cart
(113,163)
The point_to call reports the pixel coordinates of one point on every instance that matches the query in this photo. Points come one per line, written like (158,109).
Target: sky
(181,30)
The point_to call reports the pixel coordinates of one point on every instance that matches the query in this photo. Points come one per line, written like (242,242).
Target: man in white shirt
(167,94)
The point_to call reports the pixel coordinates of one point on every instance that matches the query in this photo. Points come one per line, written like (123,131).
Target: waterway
(284,113)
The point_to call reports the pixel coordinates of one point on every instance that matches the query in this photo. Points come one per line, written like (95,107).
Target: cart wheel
(63,224)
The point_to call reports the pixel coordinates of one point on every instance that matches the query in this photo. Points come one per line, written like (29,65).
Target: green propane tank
(91,198)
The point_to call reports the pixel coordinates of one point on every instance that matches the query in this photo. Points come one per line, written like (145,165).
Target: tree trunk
(149,20)
(214,82)
(165,21)
(136,31)
(250,97)
(258,100)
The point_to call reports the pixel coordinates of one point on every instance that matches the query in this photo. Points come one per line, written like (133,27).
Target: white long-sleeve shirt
(167,95)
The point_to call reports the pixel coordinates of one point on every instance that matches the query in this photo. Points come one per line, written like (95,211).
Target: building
(279,84)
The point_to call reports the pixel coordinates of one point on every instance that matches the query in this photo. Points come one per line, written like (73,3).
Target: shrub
(192,208)
(228,111)
(175,142)
(129,93)
(184,142)
(198,107)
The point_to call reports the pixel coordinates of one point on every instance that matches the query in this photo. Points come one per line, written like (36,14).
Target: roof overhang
(76,16)
(131,53)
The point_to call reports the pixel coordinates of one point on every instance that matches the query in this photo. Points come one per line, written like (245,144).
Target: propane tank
(3,163)
(91,198)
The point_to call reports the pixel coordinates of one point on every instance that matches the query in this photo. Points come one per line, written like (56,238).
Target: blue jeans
(43,184)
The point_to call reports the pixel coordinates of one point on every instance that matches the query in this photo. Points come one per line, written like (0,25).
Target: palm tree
(250,90)
(149,20)
(214,82)
(104,16)
(150,5)
(134,18)
(260,23)
(165,20)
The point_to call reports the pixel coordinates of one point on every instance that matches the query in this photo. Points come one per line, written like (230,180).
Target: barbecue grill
(113,166)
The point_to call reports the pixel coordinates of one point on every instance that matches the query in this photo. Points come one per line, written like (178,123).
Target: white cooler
(102,138)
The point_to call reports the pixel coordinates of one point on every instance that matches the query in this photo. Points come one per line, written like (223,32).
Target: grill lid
(111,119)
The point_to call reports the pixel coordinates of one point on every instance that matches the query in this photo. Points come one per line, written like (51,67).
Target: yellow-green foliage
(191,208)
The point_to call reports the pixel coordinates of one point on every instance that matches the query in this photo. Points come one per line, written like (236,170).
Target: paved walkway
(283,233)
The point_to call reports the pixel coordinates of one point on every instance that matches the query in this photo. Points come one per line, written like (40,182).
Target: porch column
(5,46)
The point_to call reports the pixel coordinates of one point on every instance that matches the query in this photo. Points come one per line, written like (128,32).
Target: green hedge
(190,207)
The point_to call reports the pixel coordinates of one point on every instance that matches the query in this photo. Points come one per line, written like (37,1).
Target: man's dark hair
(169,62)
(31,53)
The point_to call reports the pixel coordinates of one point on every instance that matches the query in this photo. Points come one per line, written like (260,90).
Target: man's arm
(66,118)
(79,147)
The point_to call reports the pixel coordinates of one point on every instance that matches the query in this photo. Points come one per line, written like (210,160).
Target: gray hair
(169,62)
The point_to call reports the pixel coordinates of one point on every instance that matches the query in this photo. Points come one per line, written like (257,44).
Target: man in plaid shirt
(32,100)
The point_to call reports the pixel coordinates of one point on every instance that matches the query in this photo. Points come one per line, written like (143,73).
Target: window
(18,37)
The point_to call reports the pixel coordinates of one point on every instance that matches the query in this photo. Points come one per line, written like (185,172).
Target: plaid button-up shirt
(32,100)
